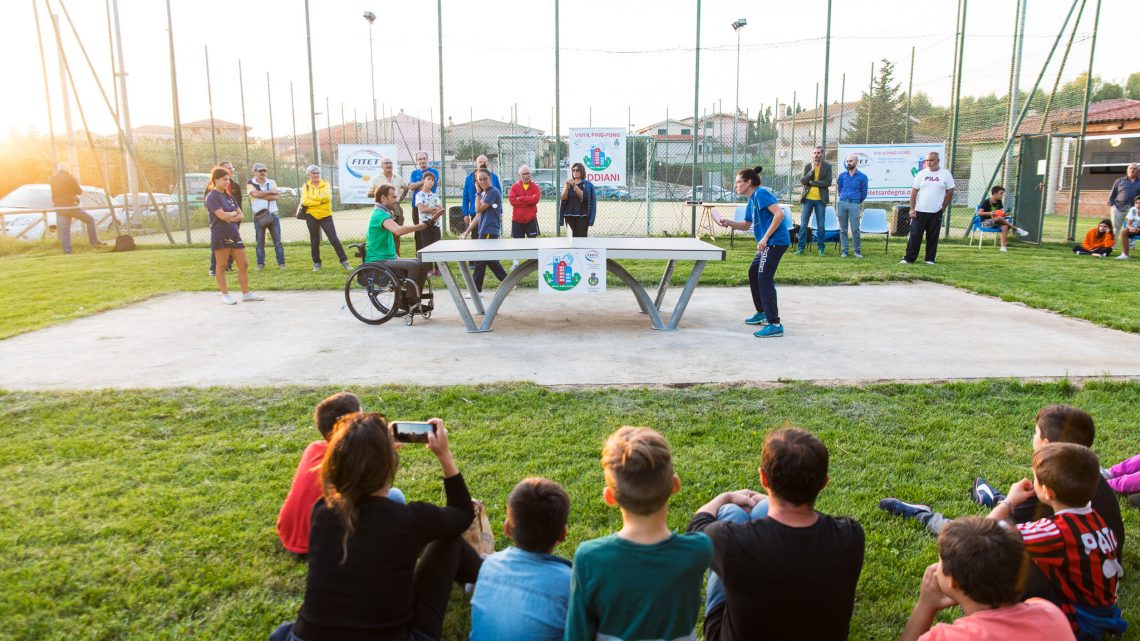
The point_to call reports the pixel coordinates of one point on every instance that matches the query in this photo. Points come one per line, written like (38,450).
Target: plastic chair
(789,224)
(874,221)
(976,228)
(830,232)
(741,210)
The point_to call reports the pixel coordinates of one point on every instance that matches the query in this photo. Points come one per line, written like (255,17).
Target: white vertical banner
(891,169)
(572,271)
(357,166)
(602,151)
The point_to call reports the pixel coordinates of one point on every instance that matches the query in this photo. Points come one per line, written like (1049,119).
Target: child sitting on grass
(981,565)
(296,512)
(644,582)
(1074,549)
(1124,478)
(522,591)
(1098,241)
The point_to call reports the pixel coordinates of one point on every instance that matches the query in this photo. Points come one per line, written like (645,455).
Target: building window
(662,132)
(686,132)
(708,124)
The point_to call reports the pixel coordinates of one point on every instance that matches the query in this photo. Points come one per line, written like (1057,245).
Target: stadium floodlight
(369,16)
(739,23)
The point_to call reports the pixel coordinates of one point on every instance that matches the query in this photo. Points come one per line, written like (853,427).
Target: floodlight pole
(736,26)
(312,97)
(371,17)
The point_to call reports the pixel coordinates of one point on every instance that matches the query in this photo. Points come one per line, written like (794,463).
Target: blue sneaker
(984,494)
(916,511)
(768,331)
(756,319)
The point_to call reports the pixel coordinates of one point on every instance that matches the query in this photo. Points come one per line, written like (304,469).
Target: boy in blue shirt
(644,582)
(522,591)
(487,223)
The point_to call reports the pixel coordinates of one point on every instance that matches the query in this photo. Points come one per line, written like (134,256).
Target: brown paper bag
(479,535)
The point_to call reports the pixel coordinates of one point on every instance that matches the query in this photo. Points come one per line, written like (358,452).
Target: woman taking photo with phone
(578,206)
(364,580)
(225,239)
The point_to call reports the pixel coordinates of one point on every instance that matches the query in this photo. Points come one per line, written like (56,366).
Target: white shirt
(257,204)
(427,200)
(932,187)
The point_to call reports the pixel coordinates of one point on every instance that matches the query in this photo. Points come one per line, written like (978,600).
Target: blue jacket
(520,596)
(852,188)
(591,203)
(469,192)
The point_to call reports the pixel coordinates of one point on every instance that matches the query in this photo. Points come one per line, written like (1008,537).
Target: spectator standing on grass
(470,188)
(225,241)
(579,206)
(316,199)
(852,191)
(930,194)
(65,193)
(993,214)
(263,195)
(524,197)
(816,180)
(766,548)
(416,182)
(234,192)
(388,176)
(766,220)
(1131,229)
(487,224)
(1123,194)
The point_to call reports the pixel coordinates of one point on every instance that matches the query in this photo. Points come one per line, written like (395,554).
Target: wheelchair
(375,294)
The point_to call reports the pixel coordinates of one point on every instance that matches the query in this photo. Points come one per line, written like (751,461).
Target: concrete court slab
(914,331)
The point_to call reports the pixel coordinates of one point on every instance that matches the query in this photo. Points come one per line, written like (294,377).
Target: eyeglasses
(262,171)
(524,173)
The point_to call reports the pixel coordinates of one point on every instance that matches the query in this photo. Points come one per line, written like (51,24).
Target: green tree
(1132,86)
(1108,91)
(471,149)
(881,116)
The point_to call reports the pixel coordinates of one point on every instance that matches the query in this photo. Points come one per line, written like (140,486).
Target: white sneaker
(514,264)
(1022,233)
(903,262)
(250,297)
(929,262)
(1003,249)
(1123,257)
(228,300)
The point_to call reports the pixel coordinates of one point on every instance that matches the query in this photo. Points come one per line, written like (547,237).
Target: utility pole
(72,151)
(128,137)
(312,97)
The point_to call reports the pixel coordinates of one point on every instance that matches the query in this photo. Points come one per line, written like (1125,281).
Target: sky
(621,61)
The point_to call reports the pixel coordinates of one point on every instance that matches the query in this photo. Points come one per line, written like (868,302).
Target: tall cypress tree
(882,115)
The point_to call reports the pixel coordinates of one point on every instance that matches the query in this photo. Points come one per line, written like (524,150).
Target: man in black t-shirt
(781,570)
(993,215)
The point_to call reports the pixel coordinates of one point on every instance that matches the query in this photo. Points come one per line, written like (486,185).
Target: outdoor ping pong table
(526,251)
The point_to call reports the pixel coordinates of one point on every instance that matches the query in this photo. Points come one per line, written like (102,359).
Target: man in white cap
(263,194)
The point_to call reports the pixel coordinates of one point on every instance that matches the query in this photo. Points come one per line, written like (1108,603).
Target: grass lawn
(150,515)
(42,286)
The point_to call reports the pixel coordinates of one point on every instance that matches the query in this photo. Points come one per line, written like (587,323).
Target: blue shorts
(225,236)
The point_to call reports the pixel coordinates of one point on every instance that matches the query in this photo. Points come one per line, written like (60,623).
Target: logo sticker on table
(572,271)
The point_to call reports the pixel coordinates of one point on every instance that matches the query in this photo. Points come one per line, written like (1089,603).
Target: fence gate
(1031,185)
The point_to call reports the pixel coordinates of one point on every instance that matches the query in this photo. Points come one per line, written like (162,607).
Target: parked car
(606,192)
(164,203)
(22,218)
(711,194)
(549,189)
(195,187)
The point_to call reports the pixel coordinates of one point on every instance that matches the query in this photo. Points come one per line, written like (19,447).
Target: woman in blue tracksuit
(766,219)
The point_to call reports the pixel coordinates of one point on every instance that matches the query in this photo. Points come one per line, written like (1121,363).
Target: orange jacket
(1092,242)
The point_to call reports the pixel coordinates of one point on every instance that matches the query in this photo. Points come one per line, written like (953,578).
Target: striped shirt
(1077,553)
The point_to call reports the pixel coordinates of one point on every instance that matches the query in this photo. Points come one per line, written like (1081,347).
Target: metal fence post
(826,71)
(179,150)
(442,145)
(956,98)
(244,127)
(696,121)
(47,90)
(1079,161)
(210,103)
(272,138)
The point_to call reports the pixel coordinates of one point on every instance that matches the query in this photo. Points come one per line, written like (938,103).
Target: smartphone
(412,431)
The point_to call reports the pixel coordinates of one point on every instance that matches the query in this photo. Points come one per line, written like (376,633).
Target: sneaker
(799,252)
(858,255)
(344,264)
(1134,500)
(1123,257)
(251,297)
(260,267)
(1106,473)
(756,319)
(770,331)
(929,262)
(1022,233)
(228,300)
(843,254)
(904,262)
(916,511)
(281,266)
(211,271)
(514,264)
(316,267)
(821,251)
(1003,249)
(984,494)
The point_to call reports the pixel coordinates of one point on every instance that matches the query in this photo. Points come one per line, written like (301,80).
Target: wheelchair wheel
(371,294)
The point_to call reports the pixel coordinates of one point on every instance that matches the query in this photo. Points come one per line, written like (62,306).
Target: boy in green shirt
(644,582)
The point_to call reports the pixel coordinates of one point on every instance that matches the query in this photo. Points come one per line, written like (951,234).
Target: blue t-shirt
(757,213)
(491,219)
(216,200)
(418,175)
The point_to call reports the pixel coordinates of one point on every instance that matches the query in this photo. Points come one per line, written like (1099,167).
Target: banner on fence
(572,271)
(357,166)
(890,169)
(602,151)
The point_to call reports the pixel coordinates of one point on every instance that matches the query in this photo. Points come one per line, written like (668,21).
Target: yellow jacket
(317,200)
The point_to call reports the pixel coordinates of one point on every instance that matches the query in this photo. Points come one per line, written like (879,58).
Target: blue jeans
(806,209)
(63,225)
(849,213)
(714,594)
(274,230)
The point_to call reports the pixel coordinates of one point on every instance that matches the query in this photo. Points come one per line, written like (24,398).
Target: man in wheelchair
(383,232)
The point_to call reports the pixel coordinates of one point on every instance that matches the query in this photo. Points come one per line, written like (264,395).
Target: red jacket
(524,202)
(293,520)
